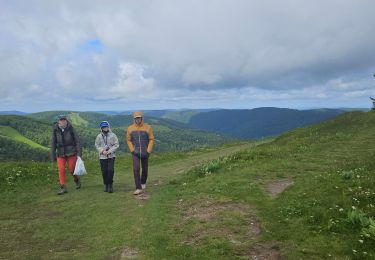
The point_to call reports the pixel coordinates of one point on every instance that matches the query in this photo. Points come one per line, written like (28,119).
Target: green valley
(34,131)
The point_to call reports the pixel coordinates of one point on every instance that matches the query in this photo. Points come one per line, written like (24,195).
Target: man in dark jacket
(65,149)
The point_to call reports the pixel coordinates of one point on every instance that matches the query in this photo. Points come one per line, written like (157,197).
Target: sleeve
(78,143)
(53,146)
(129,140)
(150,140)
(115,144)
(98,144)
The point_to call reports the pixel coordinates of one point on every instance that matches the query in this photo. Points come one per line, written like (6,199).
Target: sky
(120,55)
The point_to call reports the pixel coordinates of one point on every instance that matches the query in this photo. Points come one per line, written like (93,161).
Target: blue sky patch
(92,46)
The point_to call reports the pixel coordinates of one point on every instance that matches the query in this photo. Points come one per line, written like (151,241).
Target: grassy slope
(36,223)
(8,131)
(76,119)
(205,214)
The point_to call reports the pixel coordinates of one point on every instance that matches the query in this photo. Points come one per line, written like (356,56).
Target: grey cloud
(189,49)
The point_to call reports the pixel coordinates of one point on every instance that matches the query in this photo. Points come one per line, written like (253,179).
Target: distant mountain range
(259,122)
(13,112)
(236,123)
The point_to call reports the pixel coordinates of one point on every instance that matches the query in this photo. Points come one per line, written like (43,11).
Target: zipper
(139,140)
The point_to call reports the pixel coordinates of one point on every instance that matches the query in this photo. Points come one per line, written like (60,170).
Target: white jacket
(110,140)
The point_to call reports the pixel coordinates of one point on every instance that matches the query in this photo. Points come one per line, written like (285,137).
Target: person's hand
(105,152)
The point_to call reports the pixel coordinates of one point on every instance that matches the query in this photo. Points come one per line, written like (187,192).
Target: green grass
(36,223)
(7,131)
(204,203)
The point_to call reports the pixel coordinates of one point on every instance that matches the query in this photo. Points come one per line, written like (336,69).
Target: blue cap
(60,117)
(104,124)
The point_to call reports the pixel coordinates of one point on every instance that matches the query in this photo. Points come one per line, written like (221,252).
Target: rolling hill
(259,122)
(35,130)
(229,202)
(11,133)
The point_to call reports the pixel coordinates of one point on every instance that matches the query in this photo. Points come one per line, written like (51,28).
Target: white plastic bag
(80,169)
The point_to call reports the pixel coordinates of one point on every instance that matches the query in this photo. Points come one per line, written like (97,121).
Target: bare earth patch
(53,214)
(278,186)
(143,196)
(214,218)
(129,253)
(215,222)
(265,252)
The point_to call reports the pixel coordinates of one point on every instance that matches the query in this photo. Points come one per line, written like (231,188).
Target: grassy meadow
(308,194)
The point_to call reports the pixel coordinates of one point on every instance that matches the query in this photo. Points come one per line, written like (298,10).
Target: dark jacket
(65,143)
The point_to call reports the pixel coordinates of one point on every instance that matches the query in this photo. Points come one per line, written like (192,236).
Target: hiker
(107,143)
(65,149)
(140,139)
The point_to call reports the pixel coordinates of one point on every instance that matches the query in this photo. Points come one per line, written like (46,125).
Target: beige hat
(137,114)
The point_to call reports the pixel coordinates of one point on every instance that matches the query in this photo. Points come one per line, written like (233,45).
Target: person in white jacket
(107,143)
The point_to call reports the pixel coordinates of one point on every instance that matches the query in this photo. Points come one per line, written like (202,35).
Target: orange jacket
(140,139)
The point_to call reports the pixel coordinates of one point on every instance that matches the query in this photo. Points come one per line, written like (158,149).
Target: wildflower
(341,209)
(354,251)
(360,241)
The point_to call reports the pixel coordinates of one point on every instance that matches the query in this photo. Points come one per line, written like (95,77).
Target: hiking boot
(110,188)
(143,186)
(105,187)
(62,190)
(78,184)
(137,192)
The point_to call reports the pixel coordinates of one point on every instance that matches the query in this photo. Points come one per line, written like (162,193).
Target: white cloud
(187,50)
(131,82)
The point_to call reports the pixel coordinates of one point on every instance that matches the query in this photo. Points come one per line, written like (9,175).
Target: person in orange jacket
(140,139)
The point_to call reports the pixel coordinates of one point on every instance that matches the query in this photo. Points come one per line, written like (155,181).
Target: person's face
(105,129)
(62,122)
(138,120)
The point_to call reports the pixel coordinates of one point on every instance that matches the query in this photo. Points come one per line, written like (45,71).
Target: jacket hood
(109,127)
(56,125)
(138,114)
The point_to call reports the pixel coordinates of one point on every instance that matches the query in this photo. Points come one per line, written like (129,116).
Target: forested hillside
(259,122)
(169,135)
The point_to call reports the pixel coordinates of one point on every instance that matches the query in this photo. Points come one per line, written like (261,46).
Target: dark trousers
(108,169)
(139,180)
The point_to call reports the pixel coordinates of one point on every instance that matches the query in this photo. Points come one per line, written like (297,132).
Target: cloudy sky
(123,55)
